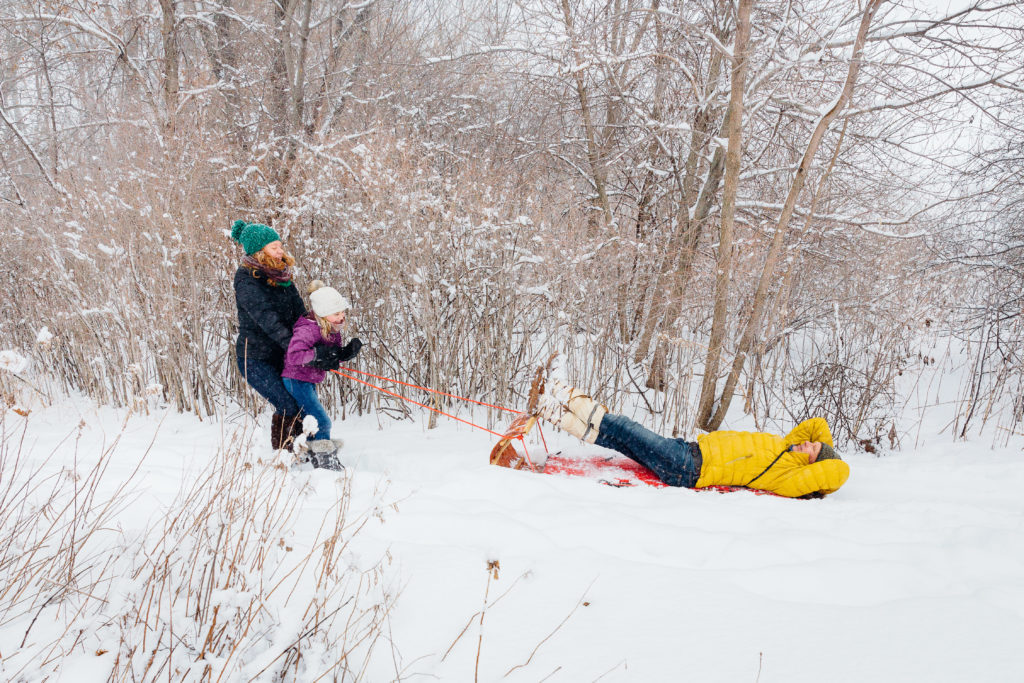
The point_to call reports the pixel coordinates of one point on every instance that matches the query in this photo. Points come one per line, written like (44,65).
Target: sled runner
(504,454)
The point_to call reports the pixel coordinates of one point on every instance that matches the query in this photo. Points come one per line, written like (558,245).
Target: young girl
(316,347)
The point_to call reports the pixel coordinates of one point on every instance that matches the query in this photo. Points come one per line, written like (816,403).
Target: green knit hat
(827,453)
(253,236)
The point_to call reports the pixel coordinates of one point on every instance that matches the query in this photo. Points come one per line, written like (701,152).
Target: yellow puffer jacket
(735,458)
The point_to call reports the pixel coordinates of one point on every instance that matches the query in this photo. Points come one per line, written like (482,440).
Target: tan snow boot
(572,410)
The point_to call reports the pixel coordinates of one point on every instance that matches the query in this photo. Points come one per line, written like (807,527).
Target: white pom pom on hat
(326,300)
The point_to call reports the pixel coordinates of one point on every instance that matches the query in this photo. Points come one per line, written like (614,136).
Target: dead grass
(230,582)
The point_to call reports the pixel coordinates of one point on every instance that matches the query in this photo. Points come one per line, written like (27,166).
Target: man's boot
(572,410)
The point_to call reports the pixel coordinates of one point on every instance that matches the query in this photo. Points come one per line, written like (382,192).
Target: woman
(268,306)
(802,464)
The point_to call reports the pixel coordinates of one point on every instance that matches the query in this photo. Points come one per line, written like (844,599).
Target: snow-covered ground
(913,571)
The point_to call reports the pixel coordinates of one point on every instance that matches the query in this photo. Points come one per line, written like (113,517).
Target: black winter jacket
(266,315)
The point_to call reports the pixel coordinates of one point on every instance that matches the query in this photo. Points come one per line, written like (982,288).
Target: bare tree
(712,411)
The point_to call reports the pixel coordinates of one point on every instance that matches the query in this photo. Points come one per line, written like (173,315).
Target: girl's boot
(323,454)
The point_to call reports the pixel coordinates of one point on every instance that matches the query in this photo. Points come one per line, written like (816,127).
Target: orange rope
(521,438)
(423,405)
(416,386)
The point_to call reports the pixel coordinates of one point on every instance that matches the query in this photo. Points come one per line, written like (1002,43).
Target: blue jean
(304,394)
(672,460)
(265,378)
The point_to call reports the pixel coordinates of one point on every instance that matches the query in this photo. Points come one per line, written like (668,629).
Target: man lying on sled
(801,464)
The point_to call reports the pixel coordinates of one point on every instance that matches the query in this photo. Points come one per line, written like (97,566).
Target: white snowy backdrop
(491,181)
(162,547)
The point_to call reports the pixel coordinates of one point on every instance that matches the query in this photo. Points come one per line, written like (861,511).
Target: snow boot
(572,410)
(323,454)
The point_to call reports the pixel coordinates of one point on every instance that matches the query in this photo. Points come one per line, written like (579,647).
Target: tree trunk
(683,247)
(298,82)
(279,82)
(169,35)
(325,111)
(597,170)
(52,118)
(732,174)
(674,273)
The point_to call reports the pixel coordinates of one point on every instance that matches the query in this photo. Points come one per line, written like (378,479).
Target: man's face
(811,448)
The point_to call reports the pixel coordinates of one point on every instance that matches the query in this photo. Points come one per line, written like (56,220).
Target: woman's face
(811,448)
(336,318)
(275,250)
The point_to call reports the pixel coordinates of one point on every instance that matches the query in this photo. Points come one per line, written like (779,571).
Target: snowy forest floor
(914,570)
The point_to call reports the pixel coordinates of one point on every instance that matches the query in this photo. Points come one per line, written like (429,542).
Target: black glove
(327,357)
(350,350)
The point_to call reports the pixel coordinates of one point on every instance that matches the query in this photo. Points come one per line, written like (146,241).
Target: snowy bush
(489,187)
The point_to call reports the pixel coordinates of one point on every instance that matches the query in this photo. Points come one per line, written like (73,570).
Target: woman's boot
(277,431)
(283,430)
(294,428)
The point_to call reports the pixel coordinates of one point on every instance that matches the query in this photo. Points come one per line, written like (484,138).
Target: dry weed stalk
(493,568)
(50,558)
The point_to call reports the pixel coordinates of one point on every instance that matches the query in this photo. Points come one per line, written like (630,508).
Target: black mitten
(350,350)
(327,357)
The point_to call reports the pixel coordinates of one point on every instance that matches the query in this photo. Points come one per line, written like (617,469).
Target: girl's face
(336,319)
(275,250)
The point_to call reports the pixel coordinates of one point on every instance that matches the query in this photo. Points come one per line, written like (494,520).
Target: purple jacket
(305,336)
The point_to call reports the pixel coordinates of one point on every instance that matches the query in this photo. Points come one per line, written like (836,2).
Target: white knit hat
(326,300)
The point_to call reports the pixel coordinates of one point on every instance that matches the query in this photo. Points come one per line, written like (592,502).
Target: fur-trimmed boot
(323,454)
(572,410)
